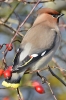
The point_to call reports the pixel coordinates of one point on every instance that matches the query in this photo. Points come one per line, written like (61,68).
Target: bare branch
(28,2)
(51,90)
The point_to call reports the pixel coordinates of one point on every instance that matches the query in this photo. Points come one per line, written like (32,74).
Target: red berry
(35,83)
(7,73)
(40,89)
(10,68)
(6,98)
(1,72)
(9,47)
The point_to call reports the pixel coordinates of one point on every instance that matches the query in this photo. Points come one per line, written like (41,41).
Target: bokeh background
(12,13)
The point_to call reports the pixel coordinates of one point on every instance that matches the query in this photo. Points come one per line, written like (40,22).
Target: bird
(37,47)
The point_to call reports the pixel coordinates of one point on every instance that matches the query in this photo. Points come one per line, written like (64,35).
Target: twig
(24,21)
(12,12)
(56,76)
(50,71)
(42,69)
(57,66)
(51,89)
(17,31)
(44,80)
(34,2)
(20,97)
(1,23)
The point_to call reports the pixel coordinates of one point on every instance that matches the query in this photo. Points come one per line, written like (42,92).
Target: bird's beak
(60,15)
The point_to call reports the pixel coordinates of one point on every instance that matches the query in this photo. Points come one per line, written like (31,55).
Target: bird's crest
(48,11)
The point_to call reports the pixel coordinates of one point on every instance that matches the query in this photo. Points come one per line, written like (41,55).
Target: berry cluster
(6,73)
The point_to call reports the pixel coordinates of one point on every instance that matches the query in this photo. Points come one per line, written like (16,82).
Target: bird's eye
(55,16)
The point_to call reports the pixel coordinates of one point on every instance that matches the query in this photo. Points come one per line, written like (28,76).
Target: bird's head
(51,12)
(48,14)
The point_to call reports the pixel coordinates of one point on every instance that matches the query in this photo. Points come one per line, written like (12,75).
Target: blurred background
(12,14)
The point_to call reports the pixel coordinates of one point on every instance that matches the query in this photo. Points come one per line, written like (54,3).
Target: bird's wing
(35,53)
(29,59)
